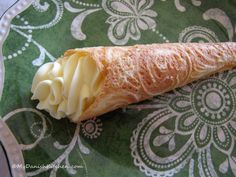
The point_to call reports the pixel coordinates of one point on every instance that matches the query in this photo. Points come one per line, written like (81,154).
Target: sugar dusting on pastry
(67,87)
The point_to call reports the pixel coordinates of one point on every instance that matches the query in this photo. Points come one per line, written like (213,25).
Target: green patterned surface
(188,132)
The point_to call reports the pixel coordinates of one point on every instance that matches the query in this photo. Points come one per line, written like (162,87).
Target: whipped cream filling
(68,86)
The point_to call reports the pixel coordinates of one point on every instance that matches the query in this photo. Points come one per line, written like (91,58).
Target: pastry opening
(68,86)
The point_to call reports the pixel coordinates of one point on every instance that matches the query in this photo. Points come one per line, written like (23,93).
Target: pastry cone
(88,82)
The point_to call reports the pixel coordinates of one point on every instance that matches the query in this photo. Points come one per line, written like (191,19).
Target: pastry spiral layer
(88,82)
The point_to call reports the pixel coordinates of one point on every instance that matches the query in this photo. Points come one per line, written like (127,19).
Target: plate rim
(13,150)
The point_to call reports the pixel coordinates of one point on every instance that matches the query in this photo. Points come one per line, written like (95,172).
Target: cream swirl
(67,87)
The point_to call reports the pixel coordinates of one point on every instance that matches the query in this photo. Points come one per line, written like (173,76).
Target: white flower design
(92,128)
(128,18)
(196,119)
(206,113)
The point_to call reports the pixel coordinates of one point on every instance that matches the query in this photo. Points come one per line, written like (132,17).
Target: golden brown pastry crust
(135,73)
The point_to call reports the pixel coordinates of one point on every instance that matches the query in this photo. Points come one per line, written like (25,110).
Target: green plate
(190,131)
